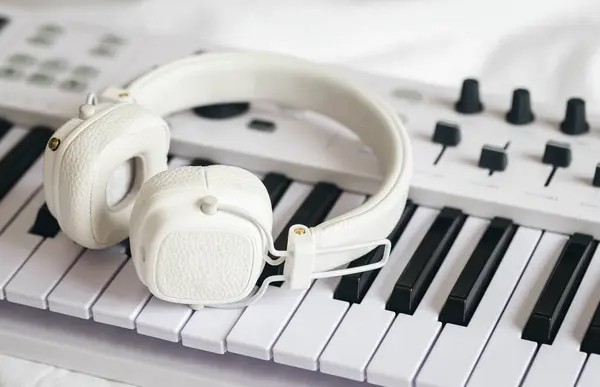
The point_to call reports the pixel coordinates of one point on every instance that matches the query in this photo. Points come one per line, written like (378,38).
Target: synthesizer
(493,278)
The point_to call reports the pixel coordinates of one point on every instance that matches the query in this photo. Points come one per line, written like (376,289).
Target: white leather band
(222,77)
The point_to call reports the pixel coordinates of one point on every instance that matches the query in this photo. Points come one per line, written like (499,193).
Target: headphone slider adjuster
(299,264)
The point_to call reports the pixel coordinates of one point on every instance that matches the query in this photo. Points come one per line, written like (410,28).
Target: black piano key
(477,274)
(276,184)
(352,288)
(45,224)
(591,339)
(201,162)
(5,126)
(21,157)
(557,295)
(426,261)
(312,211)
(127,247)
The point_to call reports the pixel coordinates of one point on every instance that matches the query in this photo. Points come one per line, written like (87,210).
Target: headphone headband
(222,77)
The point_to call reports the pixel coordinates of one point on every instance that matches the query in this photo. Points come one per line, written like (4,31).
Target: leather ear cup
(78,173)
(185,255)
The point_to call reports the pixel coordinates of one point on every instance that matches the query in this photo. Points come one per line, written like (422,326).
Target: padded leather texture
(235,76)
(184,255)
(86,162)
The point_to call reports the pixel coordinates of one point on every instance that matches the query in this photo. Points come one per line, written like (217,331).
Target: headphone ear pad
(185,255)
(120,139)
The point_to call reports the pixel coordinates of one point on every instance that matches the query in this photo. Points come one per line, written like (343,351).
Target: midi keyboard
(493,280)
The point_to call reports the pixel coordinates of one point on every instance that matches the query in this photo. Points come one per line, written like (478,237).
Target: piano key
(464,344)
(25,188)
(409,340)
(552,306)
(17,244)
(425,262)
(11,139)
(5,126)
(506,356)
(198,162)
(560,364)
(82,285)
(319,314)
(312,212)
(591,339)
(261,324)
(353,287)
(276,184)
(41,272)
(123,299)
(591,372)
(162,319)
(22,156)
(44,225)
(478,272)
(364,325)
(208,328)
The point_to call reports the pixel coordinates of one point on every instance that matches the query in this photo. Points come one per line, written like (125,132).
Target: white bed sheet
(549,46)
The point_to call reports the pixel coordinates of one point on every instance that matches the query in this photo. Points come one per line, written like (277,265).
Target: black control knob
(222,110)
(469,102)
(575,118)
(596,180)
(557,154)
(446,134)
(520,109)
(493,158)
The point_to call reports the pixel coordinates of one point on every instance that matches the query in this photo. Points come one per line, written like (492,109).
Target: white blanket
(549,46)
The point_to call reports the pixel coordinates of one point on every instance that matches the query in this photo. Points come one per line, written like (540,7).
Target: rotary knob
(575,121)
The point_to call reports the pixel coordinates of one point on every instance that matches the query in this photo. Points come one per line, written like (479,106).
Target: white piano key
(591,372)
(255,332)
(464,344)
(506,356)
(308,332)
(162,319)
(82,285)
(43,270)
(361,330)
(123,299)
(410,338)
(208,328)
(261,324)
(319,314)
(20,193)
(16,244)
(560,363)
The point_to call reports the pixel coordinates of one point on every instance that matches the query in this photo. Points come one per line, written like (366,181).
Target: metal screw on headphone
(300,230)
(54,143)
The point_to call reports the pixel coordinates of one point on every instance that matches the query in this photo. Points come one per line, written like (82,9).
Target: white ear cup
(187,253)
(78,172)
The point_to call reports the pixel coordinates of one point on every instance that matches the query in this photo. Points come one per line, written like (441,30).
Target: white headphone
(200,235)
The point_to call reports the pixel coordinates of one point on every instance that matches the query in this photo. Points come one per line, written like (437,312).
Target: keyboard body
(60,305)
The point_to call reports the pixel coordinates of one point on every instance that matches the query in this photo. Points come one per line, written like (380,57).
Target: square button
(21,60)
(41,79)
(104,51)
(53,29)
(113,39)
(41,40)
(10,73)
(55,65)
(73,85)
